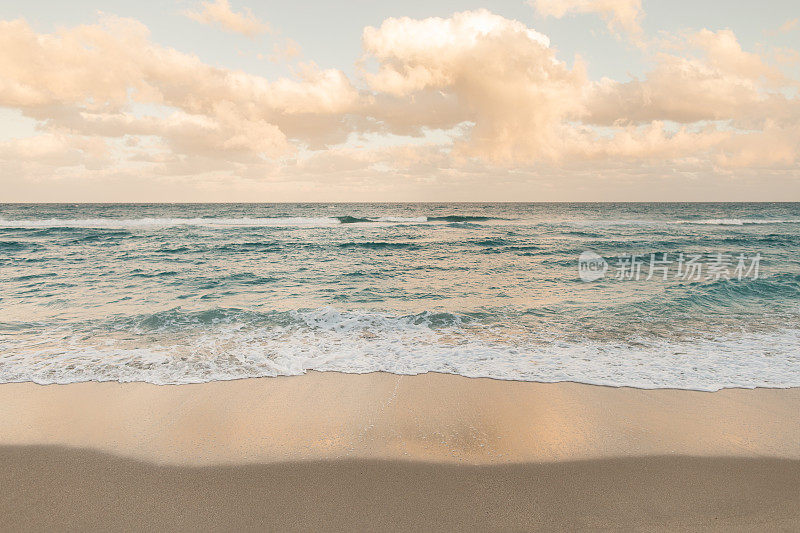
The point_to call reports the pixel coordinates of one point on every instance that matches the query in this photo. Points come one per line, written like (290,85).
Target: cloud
(619,15)
(54,150)
(789,25)
(773,146)
(712,79)
(220,12)
(469,99)
(500,75)
(289,50)
(89,79)
(704,97)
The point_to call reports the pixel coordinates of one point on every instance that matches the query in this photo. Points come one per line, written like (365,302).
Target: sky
(262,101)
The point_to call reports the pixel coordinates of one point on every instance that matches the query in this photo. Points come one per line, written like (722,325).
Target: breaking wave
(175,346)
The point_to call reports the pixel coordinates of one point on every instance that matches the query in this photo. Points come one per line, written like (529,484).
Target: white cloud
(289,50)
(620,15)
(220,12)
(88,78)
(789,25)
(465,99)
(501,76)
(711,78)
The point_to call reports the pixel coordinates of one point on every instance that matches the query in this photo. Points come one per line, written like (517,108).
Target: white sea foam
(739,221)
(667,222)
(119,223)
(402,219)
(359,342)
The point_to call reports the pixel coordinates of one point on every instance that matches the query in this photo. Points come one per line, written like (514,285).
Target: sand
(59,488)
(384,452)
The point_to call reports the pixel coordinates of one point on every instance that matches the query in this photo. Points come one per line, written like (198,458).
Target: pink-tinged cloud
(470,97)
(503,76)
(88,78)
(789,25)
(619,15)
(219,12)
(712,79)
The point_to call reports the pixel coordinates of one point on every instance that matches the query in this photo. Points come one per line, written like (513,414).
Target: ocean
(690,296)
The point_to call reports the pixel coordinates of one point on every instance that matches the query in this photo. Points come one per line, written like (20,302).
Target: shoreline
(381,372)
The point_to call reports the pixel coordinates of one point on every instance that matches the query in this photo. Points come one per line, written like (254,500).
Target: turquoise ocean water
(193,293)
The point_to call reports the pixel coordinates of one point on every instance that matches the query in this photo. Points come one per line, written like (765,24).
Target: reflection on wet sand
(432,417)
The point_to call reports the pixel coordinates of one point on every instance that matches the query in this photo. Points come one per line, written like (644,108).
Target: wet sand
(385,452)
(61,488)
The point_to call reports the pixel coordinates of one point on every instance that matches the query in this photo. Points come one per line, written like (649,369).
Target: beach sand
(384,452)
